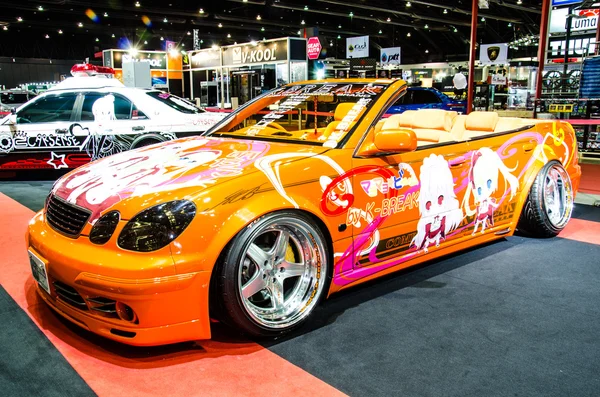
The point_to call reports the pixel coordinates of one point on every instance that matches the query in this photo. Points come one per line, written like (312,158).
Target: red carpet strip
(582,230)
(590,179)
(206,368)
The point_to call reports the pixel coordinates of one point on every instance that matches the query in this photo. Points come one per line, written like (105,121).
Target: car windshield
(9,98)
(320,113)
(179,104)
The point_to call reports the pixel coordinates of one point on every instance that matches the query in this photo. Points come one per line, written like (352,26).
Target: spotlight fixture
(408,4)
(482,19)
(380,32)
(59,31)
(137,4)
(165,20)
(445,11)
(106,15)
(19,19)
(339,37)
(201,11)
(220,25)
(97,39)
(303,23)
(299,32)
(426,26)
(339,26)
(5,27)
(80,24)
(162,38)
(389,19)
(519,2)
(47,36)
(40,8)
(201,41)
(228,35)
(262,29)
(183,44)
(408,34)
(145,42)
(509,25)
(214,47)
(426,51)
(351,14)
(258,18)
(455,30)
(305,8)
(331,43)
(112,35)
(189,33)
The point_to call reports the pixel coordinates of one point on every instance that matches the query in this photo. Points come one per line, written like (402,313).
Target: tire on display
(272,275)
(549,204)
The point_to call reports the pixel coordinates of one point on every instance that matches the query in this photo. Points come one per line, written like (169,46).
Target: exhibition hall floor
(516,317)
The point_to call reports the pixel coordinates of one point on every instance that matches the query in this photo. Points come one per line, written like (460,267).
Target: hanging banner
(583,20)
(389,56)
(196,39)
(493,53)
(357,47)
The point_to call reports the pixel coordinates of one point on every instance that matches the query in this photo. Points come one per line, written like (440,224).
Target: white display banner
(583,20)
(357,47)
(493,53)
(389,56)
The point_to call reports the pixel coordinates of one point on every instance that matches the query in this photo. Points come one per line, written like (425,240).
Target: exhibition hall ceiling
(430,30)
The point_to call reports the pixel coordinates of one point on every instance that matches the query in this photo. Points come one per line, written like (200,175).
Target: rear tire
(549,204)
(272,275)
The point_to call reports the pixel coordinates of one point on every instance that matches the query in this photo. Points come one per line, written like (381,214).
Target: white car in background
(86,118)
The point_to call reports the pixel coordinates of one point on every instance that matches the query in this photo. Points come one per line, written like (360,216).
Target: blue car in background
(426,98)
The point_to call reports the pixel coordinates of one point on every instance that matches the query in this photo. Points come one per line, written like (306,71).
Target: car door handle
(61,130)
(528,147)
(138,128)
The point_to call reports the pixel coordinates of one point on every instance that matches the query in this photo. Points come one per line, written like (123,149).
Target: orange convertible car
(305,191)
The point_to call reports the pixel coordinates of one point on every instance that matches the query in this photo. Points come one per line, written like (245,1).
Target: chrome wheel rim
(282,273)
(558,196)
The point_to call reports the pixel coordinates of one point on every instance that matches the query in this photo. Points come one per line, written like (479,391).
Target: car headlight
(105,227)
(157,226)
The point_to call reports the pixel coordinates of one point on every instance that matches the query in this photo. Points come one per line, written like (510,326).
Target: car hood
(156,172)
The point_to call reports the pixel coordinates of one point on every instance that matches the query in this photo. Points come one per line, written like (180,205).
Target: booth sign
(313,48)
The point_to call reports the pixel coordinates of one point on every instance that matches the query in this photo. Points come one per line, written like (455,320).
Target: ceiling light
(262,29)
(183,44)
(258,18)
(445,11)
(303,23)
(112,35)
(519,2)
(201,11)
(215,47)
(133,51)
(299,32)
(137,4)
(145,42)
(380,32)
(40,8)
(509,24)
(47,36)
(408,4)
(482,19)
(305,8)
(165,20)
(201,41)
(244,1)
(426,51)
(426,26)
(228,35)
(339,37)
(189,33)
(389,19)
(455,30)
(162,38)
(253,42)
(80,24)
(408,34)
(351,14)
(331,43)
(5,27)
(106,15)
(220,25)
(339,26)
(97,39)
(19,19)
(59,31)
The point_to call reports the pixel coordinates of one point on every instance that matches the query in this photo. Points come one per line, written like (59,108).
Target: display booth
(165,67)
(232,75)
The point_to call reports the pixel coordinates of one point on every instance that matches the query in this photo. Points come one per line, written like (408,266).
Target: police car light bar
(86,69)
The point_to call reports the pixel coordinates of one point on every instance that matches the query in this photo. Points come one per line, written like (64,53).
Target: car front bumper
(84,282)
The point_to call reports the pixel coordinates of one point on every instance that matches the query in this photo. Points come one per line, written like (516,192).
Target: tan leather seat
(341,110)
(430,125)
(478,124)
(510,124)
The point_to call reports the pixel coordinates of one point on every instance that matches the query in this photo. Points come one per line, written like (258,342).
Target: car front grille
(64,217)
(69,295)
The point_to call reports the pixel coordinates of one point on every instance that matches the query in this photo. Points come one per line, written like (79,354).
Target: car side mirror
(387,142)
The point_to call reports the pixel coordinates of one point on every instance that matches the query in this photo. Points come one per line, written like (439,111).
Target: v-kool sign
(313,48)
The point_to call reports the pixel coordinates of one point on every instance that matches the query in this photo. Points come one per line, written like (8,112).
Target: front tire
(550,202)
(273,274)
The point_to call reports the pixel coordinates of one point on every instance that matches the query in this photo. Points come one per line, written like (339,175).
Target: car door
(409,204)
(43,125)
(111,121)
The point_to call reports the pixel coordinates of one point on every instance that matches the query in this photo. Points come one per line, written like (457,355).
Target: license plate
(38,268)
